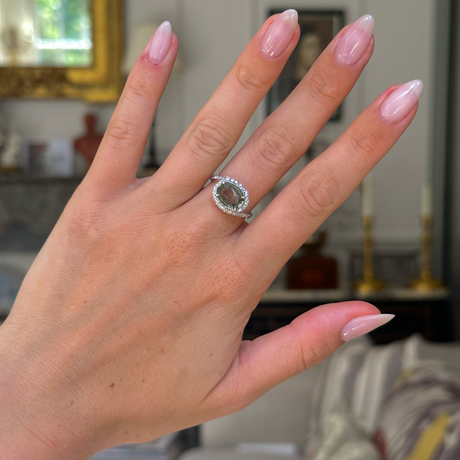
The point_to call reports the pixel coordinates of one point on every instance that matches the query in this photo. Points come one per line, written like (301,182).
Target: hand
(129,324)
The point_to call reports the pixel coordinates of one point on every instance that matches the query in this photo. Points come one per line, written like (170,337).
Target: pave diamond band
(230,196)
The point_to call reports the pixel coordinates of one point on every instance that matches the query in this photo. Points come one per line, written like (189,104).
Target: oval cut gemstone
(230,196)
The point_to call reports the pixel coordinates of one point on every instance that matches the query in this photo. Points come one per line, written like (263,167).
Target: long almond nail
(363,325)
(279,35)
(161,42)
(400,102)
(355,42)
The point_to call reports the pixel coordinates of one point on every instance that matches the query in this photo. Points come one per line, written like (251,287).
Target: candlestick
(368,284)
(426,283)
(368,198)
(427,201)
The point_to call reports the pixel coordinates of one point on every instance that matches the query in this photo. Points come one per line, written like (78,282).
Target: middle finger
(289,131)
(218,126)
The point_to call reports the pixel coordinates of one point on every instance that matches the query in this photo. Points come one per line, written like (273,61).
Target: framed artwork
(318,28)
(62,49)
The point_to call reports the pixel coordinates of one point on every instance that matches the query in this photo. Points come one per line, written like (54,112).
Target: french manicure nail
(161,42)
(363,325)
(355,42)
(278,36)
(400,102)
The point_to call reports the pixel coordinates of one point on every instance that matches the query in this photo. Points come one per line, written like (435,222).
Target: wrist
(43,415)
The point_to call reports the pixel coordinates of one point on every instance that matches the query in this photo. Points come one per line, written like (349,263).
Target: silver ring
(230,196)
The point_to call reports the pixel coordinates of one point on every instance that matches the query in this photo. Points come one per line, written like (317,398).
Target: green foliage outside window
(66,21)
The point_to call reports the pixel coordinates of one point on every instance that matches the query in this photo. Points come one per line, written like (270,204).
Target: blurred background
(395,241)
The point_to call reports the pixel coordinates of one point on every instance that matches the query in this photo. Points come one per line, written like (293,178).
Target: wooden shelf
(426,314)
(277,296)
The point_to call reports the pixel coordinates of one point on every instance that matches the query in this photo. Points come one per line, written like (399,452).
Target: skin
(129,324)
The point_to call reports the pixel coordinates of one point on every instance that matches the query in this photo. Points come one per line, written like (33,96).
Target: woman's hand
(129,324)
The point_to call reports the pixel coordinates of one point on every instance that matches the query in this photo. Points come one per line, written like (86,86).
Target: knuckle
(139,88)
(122,133)
(319,193)
(249,80)
(310,352)
(86,224)
(323,89)
(362,143)
(316,353)
(210,138)
(276,149)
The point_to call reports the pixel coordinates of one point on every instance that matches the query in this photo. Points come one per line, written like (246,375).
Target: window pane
(64,33)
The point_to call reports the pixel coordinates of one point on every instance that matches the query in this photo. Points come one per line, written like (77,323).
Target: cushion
(359,376)
(343,440)
(447,353)
(421,417)
(333,389)
(381,367)
(228,454)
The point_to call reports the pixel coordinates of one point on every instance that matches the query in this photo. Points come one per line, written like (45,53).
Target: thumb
(271,359)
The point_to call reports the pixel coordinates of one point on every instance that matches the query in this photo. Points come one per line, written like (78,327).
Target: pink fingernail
(363,325)
(400,102)
(279,35)
(355,42)
(161,42)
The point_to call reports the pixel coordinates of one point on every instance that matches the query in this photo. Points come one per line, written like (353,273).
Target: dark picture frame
(318,28)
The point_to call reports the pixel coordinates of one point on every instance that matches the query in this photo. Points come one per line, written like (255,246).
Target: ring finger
(287,133)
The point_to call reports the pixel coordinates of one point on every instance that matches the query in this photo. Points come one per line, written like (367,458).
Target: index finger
(219,125)
(122,148)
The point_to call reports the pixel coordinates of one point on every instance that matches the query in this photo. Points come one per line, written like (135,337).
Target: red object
(310,270)
(88,145)
(379,441)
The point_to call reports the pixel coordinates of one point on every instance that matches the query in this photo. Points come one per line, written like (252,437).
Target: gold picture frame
(102,82)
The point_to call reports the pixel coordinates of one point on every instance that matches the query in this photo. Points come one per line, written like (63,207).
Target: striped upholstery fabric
(421,417)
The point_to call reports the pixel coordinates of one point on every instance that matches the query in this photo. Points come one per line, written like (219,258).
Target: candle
(427,201)
(368,199)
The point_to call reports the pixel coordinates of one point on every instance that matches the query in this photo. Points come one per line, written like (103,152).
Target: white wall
(404,34)
(212,34)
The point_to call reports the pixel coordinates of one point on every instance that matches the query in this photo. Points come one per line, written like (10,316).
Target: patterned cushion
(360,376)
(343,440)
(333,389)
(229,454)
(421,418)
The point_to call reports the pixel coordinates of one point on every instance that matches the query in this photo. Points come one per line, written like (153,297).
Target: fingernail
(355,42)
(400,102)
(363,325)
(161,42)
(279,35)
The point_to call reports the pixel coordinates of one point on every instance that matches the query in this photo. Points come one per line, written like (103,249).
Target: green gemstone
(230,196)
